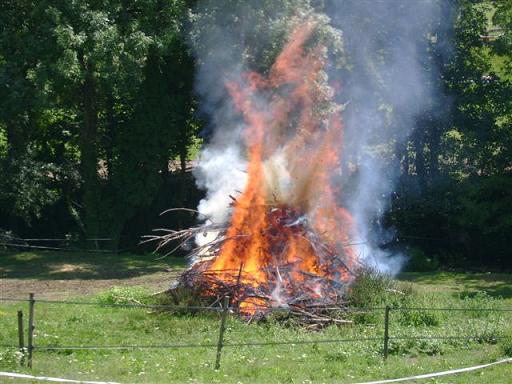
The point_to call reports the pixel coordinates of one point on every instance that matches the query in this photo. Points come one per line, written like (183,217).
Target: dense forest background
(100,124)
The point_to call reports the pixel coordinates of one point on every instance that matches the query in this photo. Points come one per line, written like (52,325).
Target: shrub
(184,297)
(370,288)
(477,301)
(124,295)
(506,342)
(10,358)
(418,318)
(374,289)
(415,347)
(506,347)
(419,262)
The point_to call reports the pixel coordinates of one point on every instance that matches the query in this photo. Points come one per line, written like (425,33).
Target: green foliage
(454,204)
(84,84)
(162,120)
(183,297)
(503,19)
(370,288)
(419,262)
(258,31)
(506,342)
(97,97)
(28,186)
(3,143)
(487,205)
(478,300)
(125,295)
(463,224)
(10,358)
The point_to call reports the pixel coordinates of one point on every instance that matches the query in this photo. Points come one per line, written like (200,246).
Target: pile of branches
(195,287)
(201,284)
(184,238)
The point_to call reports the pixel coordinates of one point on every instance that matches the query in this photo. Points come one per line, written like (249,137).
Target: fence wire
(451,309)
(246,344)
(113,305)
(209,345)
(249,343)
(179,307)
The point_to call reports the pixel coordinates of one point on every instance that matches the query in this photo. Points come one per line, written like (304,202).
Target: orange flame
(292,126)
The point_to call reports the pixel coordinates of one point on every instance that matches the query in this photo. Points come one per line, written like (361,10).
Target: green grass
(72,325)
(59,325)
(497,285)
(50,265)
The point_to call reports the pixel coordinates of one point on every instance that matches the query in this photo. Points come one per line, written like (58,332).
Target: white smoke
(384,82)
(221,174)
(389,46)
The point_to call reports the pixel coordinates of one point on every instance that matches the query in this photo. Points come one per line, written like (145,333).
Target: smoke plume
(379,75)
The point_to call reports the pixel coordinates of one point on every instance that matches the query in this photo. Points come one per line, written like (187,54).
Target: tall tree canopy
(99,117)
(97,99)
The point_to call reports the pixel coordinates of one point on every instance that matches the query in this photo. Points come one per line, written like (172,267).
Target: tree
(163,121)
(253,33)
(25,188)
(78,82)
(466,210)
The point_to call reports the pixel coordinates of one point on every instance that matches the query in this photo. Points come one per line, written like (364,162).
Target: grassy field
(55,275)
(316,362)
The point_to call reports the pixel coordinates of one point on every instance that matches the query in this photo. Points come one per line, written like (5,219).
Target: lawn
(54,275)
(498,285)
(60,325)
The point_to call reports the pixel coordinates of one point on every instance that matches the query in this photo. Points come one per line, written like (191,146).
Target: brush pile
(307,283)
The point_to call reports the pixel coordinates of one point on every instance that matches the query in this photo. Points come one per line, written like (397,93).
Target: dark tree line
(96,106)
(99,119)
(456,182)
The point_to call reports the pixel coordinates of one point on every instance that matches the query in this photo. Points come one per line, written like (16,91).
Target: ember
(287,243)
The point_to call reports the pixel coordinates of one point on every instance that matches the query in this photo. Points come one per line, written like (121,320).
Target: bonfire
(287,242)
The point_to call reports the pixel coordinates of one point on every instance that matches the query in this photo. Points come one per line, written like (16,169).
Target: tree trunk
(16,141)
(111,133)
(434,144)
(419,160)
(89,154)
(183,150)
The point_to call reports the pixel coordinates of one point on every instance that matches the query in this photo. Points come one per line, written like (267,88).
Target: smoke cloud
(389,82)
(384,85)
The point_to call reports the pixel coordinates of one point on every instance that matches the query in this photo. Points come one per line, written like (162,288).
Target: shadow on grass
(494,284)
(48,265)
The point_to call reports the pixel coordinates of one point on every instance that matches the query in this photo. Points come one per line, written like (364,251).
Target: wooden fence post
(30,339)
(386,331)
(220,344)
(21,337)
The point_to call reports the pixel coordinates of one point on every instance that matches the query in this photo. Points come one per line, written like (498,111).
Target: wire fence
(223,309)
(68,244)
(277,309)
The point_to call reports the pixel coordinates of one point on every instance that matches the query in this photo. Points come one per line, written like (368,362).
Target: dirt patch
(63,289)
(72,268)
(62,276)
